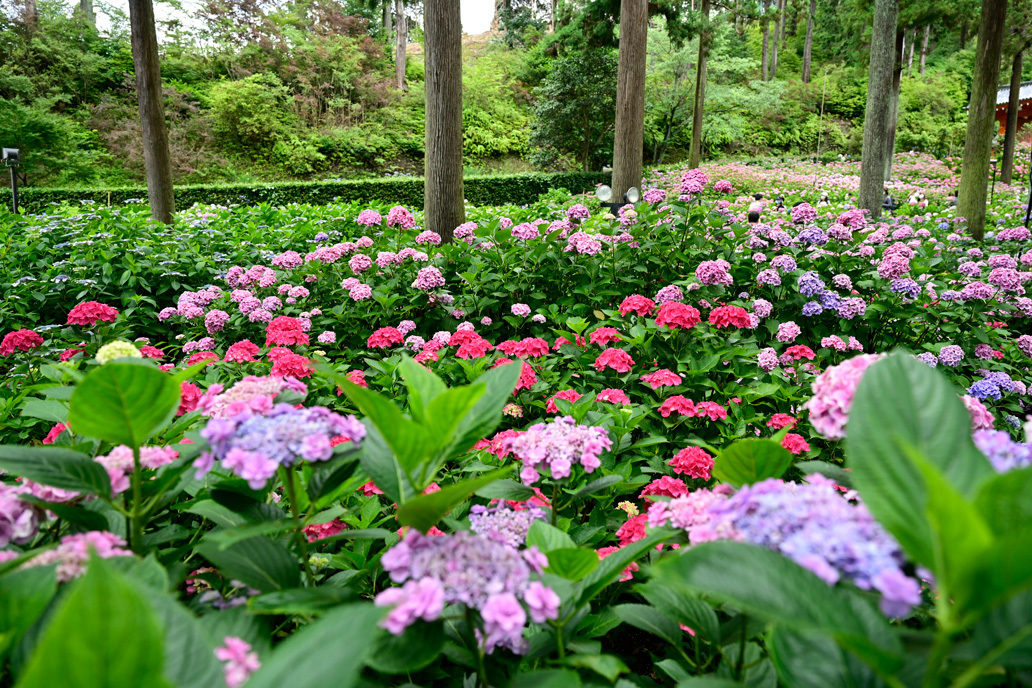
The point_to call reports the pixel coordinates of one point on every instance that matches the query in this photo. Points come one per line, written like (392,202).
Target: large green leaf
(259,562)
(684,608)
(309,601)
(104,635)
(487,414)
(506,489)
(1003,636)
(610,568)
(329,652)
(1005,501)
(423,387)
(123,403)
(24,595)
(812,660)
(769,586)
(547,537)
(749,461)
(189,655)
(960,536)
(56,467)
(401,654)
(426,511)
(900,399)
(53,411)
(547,678)
(652,620)
(572,563)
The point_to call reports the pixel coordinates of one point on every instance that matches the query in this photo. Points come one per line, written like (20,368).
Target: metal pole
(1028,209)
(14,188)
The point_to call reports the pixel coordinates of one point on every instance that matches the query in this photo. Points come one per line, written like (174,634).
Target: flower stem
(288,481)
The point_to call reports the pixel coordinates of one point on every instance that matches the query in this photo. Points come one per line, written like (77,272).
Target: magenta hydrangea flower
(714,272)
(428,279)
(833,393)
(399,216)
(73,553)
(369,217)
(520,309)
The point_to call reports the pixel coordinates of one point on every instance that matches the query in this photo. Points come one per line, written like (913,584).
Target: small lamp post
(604,194)
(11,158)
(992,189)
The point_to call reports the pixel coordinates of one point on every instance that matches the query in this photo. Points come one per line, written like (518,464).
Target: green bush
(408,191)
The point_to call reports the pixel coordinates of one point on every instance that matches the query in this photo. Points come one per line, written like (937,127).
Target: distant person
(757,205)
(754,217)
(888,204)
(824,202)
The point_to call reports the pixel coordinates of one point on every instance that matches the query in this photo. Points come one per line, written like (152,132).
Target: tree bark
(784,19)
(775,42)
(695,152)
(152,110)
(764,60)
(401,40)
(1010,137)
(897,79)
(876,113)
(910,51)
(551,23)
(981,111)
(31,14)
(443,202)
(86,10)
(629,144)
(963,35)
(387,19)
(808,46)
(924,48)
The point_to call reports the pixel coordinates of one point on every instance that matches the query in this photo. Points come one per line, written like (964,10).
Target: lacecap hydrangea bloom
(254,446)
(503,523)
(473,570)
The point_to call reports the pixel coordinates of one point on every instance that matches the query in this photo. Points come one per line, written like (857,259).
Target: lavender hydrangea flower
(812,308)
(1003,453)
(810,284)
(951,355)
(905,286)
(928,358)
(985,389)
(783,263)
(253,446)
(557,447)
(469,569)
(793,519)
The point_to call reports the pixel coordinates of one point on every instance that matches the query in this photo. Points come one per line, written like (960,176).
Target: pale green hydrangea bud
(117,349)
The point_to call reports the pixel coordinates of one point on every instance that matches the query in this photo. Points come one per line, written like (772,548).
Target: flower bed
(554,407)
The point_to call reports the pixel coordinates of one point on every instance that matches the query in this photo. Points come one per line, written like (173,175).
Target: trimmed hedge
(408,191)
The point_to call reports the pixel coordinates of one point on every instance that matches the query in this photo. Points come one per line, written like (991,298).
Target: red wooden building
(1024,109)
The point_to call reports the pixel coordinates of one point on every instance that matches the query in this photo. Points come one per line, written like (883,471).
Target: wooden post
(629,142)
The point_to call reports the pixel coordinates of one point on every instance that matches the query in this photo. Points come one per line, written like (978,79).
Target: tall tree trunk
(551,22)
(695,152)
(775,42)
(912,34)
(924,47)
(764,60)
(784,20)
(387,19)
(963,35)
(401,40)
(31,14)
(981,111)
(897,79)
(152,110)
(808,46)
(629,143)
(443,205)
(1010,137)
(85,9)
(879,97)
